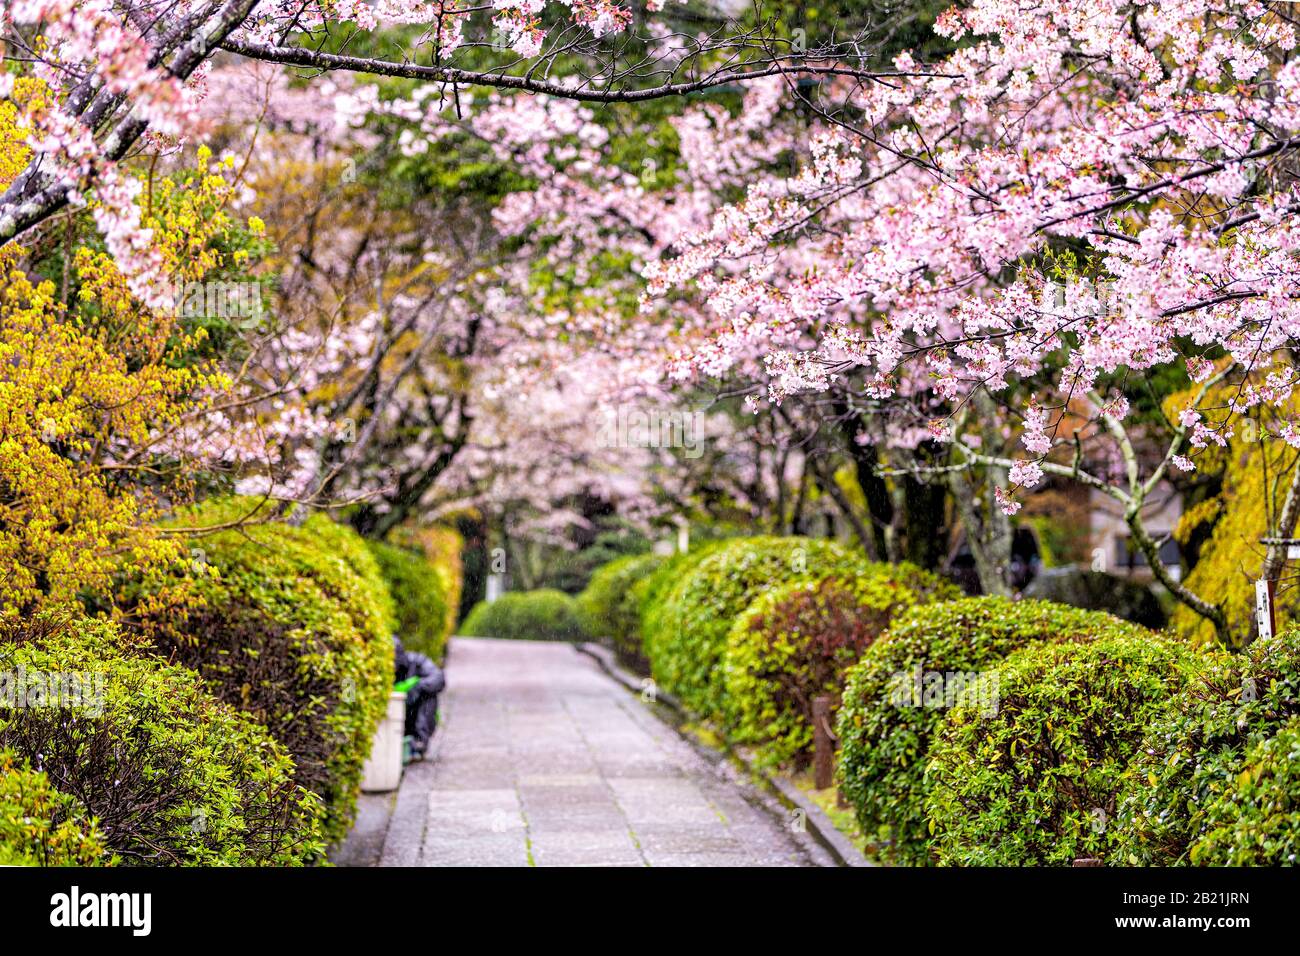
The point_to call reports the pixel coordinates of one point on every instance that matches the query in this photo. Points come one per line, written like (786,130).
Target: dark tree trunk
(879,506)
(916,528)
(474,563)
(926,523)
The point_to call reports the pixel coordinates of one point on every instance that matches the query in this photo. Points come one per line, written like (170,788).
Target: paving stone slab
(586,848)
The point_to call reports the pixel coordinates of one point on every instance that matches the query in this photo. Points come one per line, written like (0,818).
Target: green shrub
(1255,821)
(687,633)
(1034,779)
(336,541)
(543,615)
(168,774)
(611,606)
(1190,760)
(651,591)
(293,625)
(419,598)
(40,826)
(795,642)
(442,548)
(883,745)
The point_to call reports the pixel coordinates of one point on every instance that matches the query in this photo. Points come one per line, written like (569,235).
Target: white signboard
(1264,607)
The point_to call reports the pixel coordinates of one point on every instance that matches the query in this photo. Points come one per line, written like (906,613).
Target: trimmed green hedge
(336,540)
(883,744)
(611,606)
(1033,780)
(687,625)
(442,548)
(1189,775)
(1255,821)
(795,642)
(40,826)
(168,774)
(293,625)
(651,591)
(542,615)
(419,598)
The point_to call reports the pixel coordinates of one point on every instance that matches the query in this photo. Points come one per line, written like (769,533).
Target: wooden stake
(823,745)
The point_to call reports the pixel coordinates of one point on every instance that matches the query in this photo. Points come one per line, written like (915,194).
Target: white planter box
(383,770)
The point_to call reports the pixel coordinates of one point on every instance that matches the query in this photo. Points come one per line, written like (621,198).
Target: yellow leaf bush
(91,385)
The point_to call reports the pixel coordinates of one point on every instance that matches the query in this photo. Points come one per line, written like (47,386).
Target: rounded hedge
(338,541)
(1191,760)
(611,605)
(168,774)
(1255,821)
(542,615)
(442,548)
(686,634)
(651,591)
(1033,779)
(40,826)
(795,642)
(419,598)
(884,737)
(293,625)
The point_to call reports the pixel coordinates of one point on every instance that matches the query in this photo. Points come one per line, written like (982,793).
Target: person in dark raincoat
(422,699)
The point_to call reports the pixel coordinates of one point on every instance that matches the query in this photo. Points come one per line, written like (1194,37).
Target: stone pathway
(545,760)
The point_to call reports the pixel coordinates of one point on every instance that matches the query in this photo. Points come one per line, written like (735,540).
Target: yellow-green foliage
(169,774)
(40,826)
(1231,560)
(652,591)
(1020,782)
(341,541)
(686,635)
(99,379)
(1205,788)
(542,615)
(611,605)
(884,739)
(95,380)
(419,598)
(442,548)
(1257,821)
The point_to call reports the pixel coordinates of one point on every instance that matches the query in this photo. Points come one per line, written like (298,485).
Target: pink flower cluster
(91,53)
(1148,134)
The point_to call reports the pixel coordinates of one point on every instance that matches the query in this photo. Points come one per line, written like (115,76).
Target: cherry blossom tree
(123,74)
(962,265)
(408,369)
(1078,195)
(594,195)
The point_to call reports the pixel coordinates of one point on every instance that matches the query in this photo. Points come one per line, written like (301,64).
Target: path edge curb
(819,824)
